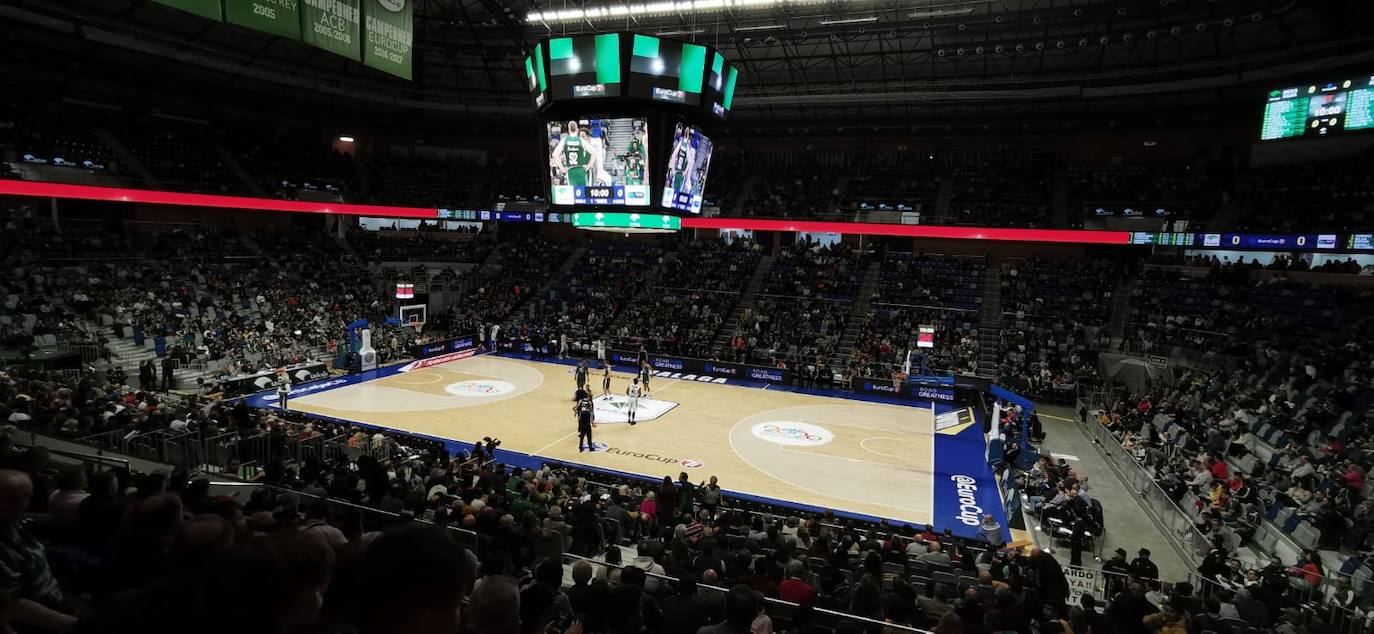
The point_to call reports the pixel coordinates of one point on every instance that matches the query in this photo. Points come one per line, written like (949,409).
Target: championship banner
(333,25)
(389,33)
(278,17)
(203,8)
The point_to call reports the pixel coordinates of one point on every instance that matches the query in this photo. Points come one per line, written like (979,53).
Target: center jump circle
(484,387)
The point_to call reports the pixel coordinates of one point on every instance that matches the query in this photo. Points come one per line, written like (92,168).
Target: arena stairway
(1121,309)
(745,302)
(858,315)
(990,322)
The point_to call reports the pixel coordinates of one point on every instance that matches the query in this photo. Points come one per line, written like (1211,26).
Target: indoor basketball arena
(711,317)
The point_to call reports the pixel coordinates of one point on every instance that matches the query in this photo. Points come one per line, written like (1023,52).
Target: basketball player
(572,155)
(633,391)
(683,157)
(606,379)
(580,374)
(645,371)
(283,387)
(586,420)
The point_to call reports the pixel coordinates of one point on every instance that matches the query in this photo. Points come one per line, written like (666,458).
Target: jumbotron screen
(1317,110)
(665,70)
(720,85)
(599,162)
(685,178)
(585,66)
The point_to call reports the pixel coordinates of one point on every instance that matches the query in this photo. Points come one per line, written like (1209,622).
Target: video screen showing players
(685,178)
(599,162)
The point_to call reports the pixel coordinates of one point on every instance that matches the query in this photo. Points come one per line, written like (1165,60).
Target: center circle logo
(479,388)
(792,433)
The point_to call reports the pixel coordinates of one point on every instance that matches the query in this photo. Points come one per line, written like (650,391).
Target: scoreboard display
(1318,110)
(720,85)
(599,161)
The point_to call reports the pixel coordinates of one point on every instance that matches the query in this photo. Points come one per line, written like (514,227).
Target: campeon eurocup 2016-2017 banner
(379,33)
(703,368)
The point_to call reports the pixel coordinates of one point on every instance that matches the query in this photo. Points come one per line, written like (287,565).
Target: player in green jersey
(572,155)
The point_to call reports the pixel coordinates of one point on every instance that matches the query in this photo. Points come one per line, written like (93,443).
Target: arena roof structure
(934,63)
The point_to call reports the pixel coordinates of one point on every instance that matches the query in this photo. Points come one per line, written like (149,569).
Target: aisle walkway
(1128,525)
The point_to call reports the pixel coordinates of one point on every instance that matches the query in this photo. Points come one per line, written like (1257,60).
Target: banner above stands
(378,33)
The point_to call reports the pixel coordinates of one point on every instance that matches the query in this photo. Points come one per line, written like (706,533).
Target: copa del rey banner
(333,25)
(388,35)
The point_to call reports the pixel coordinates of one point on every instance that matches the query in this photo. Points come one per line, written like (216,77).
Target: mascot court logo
(793,433)
(479,388)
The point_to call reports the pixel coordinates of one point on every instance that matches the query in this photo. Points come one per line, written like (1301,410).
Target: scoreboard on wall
(1321,109)
(629,118)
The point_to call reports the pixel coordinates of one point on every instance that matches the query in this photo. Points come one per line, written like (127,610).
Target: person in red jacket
(795,588)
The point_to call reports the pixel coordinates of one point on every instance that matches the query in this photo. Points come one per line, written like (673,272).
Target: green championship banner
(333,25)
(388,30)
(203,8)
(278,17)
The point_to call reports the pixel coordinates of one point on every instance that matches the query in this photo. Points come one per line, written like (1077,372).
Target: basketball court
(854,456)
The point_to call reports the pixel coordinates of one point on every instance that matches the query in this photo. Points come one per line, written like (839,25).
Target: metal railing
(182,449)
(1177,524)
(1181,525)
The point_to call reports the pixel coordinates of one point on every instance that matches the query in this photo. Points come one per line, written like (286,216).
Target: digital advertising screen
(667,70)
(535,77)
(685,177)
(585,66)
(599,162)
(720,85)
(1318,110)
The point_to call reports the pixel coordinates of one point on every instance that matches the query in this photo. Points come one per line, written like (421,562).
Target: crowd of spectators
(695,290)
(1001,190)
(1332,196)
(1053,313)
(800,312)
(1225,307)
(1281,438)
(1182,191)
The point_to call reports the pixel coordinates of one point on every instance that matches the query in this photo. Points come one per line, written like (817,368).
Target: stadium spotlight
(346,139)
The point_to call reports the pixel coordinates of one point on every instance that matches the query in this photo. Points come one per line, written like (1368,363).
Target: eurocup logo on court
(970,513)
(793,433)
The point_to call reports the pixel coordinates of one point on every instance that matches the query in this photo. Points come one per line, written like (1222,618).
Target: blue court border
(963,454)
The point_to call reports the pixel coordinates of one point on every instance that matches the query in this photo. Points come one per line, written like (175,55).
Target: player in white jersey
(633,391)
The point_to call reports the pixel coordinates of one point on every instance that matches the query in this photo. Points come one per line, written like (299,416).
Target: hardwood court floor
(848,455)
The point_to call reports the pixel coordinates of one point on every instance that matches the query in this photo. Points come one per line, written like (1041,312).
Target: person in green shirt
(572,155)
(634,168)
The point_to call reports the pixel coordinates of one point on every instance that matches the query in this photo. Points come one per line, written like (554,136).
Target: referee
(645,371)
(586,419)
